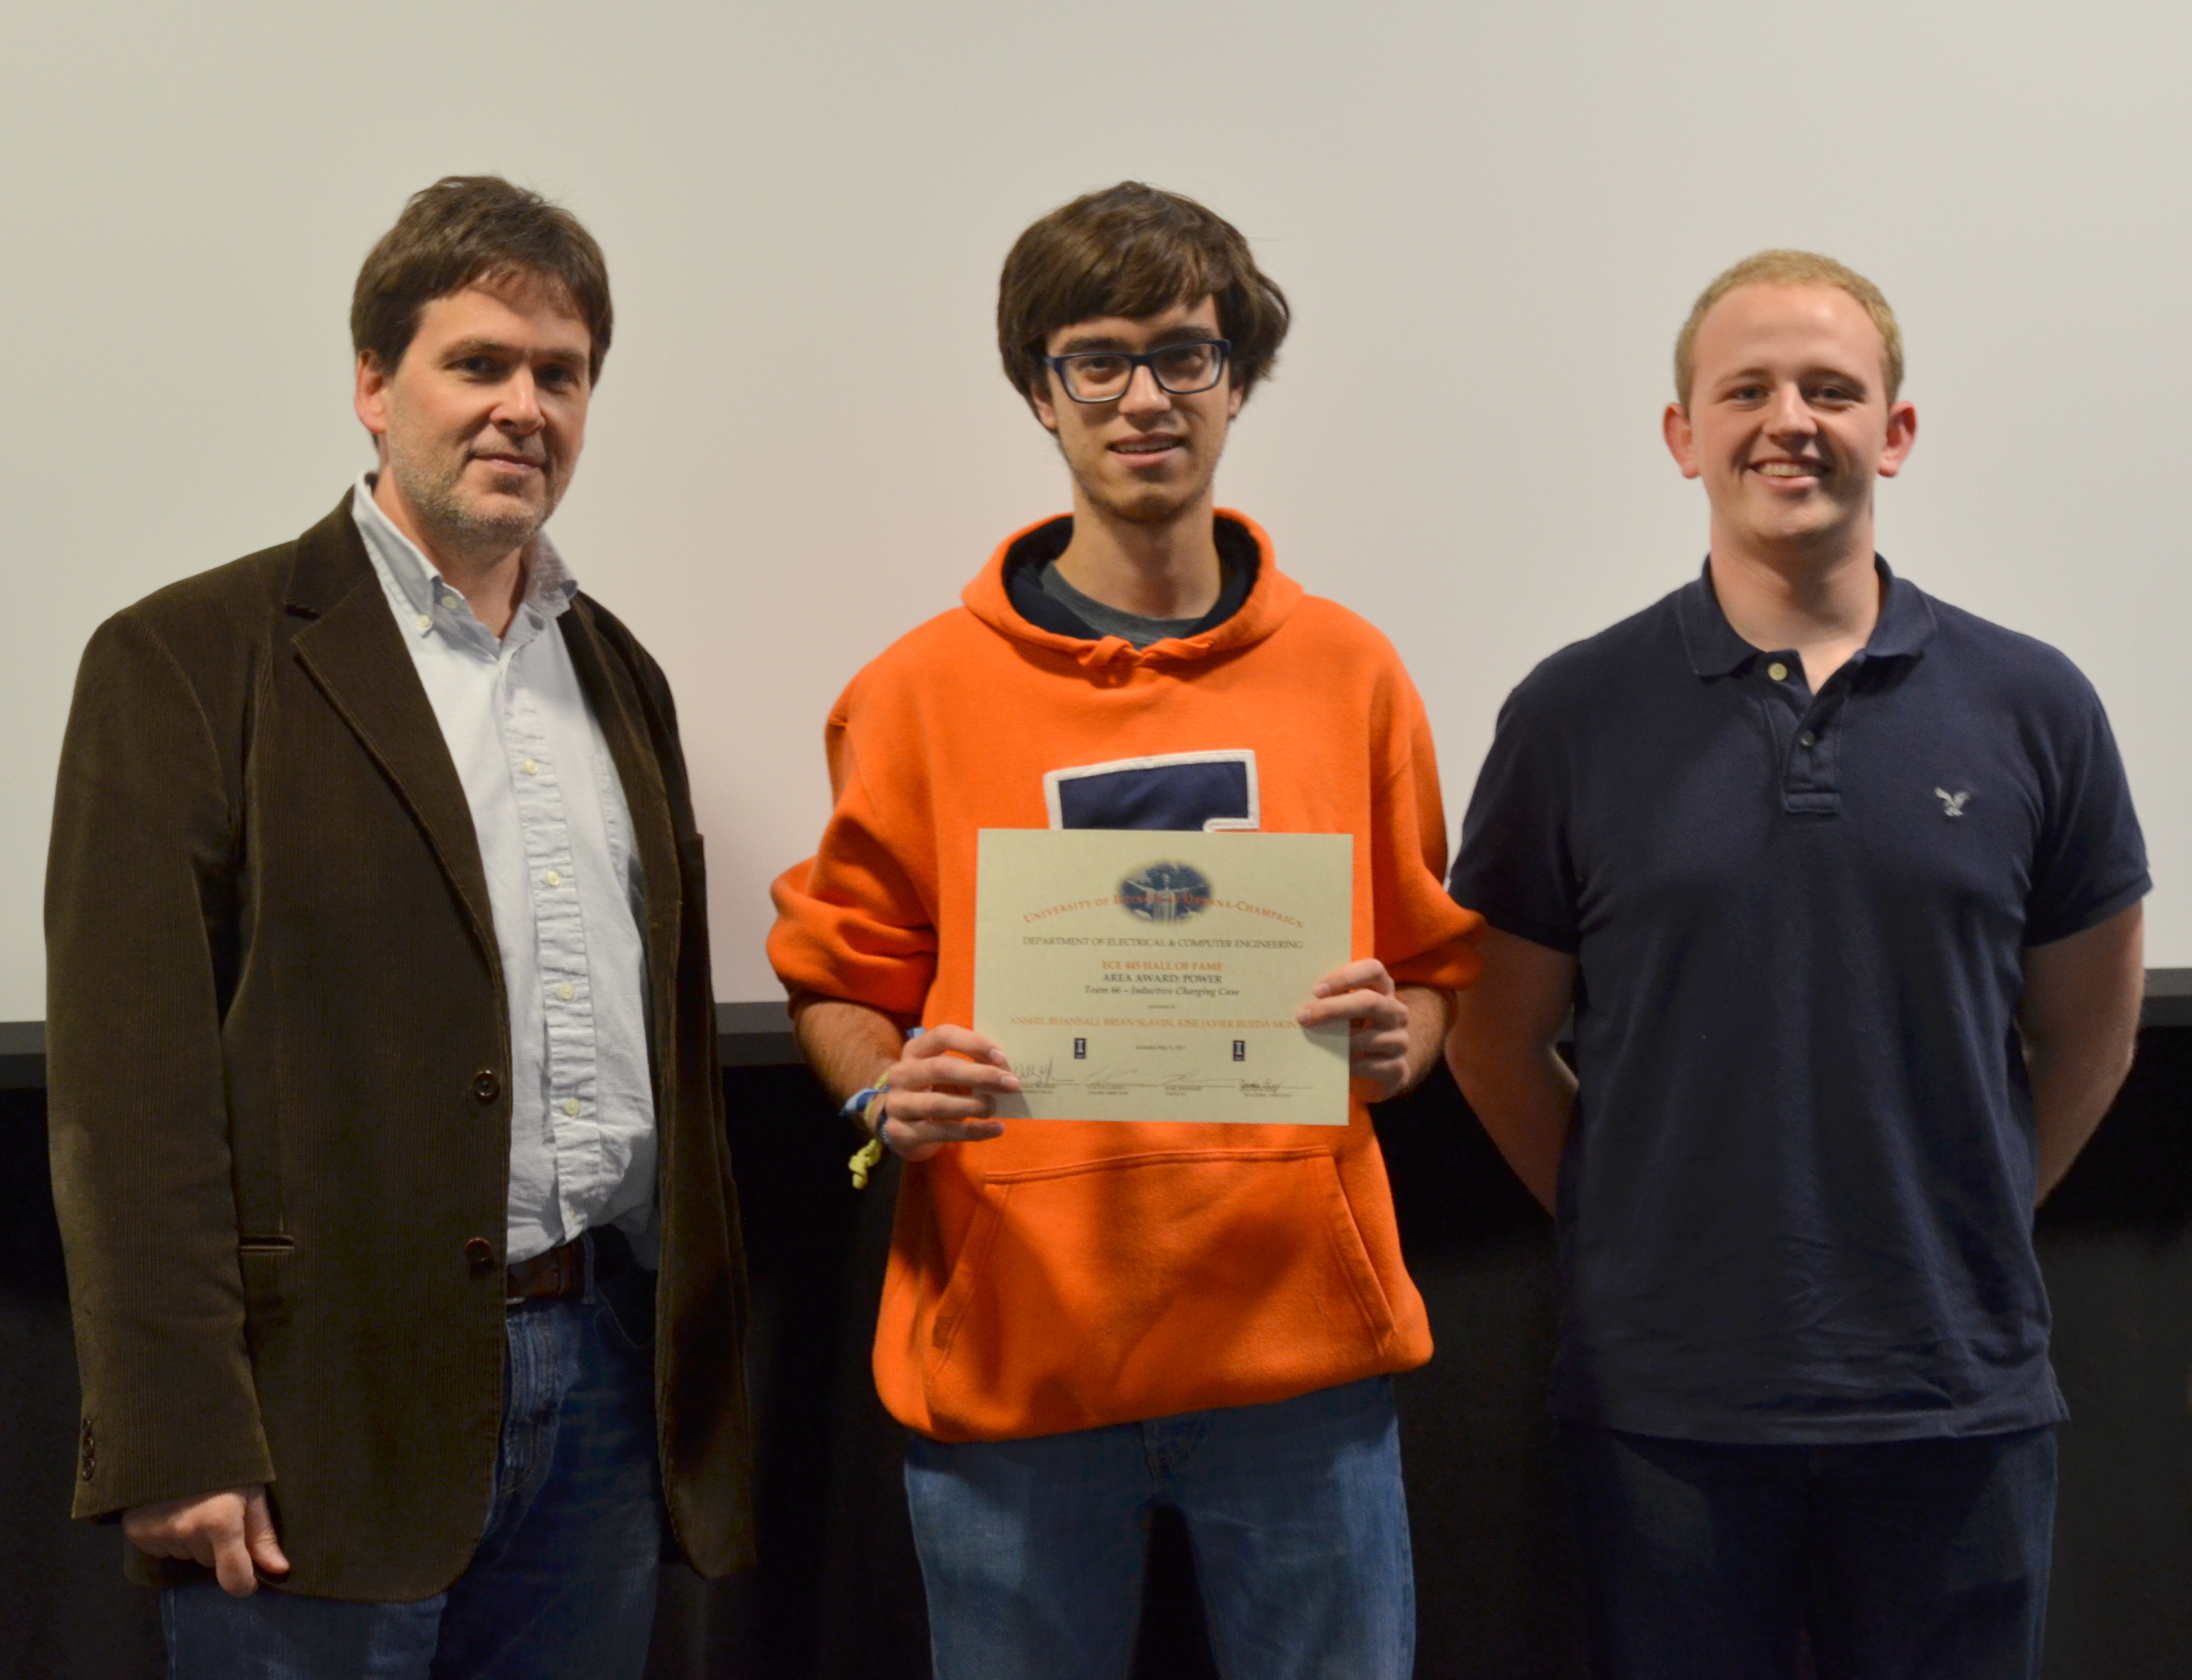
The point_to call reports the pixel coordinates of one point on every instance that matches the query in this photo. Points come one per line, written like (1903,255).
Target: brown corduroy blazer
(278,1069)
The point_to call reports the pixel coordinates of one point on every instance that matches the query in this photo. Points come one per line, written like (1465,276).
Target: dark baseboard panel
(2168,998)
(22,1055)
(759,1035)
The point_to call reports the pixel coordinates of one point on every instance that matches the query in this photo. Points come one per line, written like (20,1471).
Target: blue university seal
(1165,892)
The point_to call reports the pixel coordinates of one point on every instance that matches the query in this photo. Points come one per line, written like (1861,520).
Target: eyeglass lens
(1182,369)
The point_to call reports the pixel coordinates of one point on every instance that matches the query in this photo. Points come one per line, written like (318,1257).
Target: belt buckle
(560,1271)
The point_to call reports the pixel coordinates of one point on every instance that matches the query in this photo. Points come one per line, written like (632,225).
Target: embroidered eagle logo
(1952,804)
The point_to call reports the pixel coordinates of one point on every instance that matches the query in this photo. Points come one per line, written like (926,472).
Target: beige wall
(1490,219)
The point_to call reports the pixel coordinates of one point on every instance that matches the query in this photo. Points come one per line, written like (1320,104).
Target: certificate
(1140,974)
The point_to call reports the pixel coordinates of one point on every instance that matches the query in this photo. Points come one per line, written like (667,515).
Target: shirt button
(479,1255)
(1807,739)
(566,991)
(571,1106)
(485,1086)
(425,621)
(553,877)
(532,767)
(1777,671)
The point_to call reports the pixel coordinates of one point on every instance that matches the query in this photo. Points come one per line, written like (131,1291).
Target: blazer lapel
(354,652)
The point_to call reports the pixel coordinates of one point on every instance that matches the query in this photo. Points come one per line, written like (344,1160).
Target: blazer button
(485,1086)
(479,1255)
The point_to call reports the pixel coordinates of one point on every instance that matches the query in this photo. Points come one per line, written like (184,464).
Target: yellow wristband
(869,1156)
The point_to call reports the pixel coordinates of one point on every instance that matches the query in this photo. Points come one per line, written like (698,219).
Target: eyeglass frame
(1147,358)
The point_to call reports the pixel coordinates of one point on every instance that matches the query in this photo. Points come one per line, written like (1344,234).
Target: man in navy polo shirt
(1843,886)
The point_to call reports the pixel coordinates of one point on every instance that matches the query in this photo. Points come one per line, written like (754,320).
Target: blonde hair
(1789,268)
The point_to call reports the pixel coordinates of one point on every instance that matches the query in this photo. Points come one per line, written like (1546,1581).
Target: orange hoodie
(1071,1274)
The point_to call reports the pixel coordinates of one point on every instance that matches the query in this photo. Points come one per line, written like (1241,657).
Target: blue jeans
(1901,1560)
(564,1579)
(1032,1551)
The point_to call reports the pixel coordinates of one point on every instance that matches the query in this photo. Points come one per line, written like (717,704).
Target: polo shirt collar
(1906,625)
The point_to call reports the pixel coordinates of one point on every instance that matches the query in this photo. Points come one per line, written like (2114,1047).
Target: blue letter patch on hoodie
(1205,791)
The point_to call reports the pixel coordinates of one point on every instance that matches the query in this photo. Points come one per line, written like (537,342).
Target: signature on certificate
(1038,1077)
(1115,1080)
(1189,1082)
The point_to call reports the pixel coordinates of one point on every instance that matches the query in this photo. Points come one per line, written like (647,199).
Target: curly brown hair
(1134,251)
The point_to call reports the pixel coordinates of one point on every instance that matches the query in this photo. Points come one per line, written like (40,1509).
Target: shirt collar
(431,602)
(1906,625)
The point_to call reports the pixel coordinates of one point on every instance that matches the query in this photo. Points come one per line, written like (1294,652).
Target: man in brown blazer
(387,1127)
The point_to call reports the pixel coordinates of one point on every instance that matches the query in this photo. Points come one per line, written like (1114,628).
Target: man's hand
(1393,1031)
(232,1533)
(943,1090)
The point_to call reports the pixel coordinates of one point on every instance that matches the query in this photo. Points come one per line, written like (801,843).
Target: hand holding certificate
(1133,975)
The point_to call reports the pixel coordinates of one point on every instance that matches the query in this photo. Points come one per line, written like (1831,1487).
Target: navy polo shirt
(1796,1204)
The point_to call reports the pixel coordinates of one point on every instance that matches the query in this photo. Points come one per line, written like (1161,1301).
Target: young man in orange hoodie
(1083,1321)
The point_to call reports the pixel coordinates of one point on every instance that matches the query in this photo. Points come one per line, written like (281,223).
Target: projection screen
(1490,219)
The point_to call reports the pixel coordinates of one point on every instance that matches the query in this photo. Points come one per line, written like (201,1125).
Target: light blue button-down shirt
(563,883)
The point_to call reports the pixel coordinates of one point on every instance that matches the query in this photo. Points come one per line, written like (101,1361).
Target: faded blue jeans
(563,1582)
(1032,1551)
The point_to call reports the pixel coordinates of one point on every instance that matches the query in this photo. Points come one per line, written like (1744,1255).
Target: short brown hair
(1134,251)
(1790,268)
(464,230)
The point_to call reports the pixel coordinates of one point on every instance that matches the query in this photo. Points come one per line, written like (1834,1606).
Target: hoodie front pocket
(1148,1284)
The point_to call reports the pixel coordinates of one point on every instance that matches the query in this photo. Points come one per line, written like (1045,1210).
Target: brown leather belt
(561,1273)
(557,1275)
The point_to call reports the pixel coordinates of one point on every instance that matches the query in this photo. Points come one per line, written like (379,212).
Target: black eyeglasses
(1181,369)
